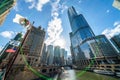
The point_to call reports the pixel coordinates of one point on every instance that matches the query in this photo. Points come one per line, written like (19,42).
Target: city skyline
(59,14)
(60,39)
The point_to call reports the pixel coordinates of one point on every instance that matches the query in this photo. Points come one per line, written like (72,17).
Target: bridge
(71,66)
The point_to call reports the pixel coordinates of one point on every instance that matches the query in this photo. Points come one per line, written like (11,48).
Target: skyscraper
(116,41)
(5,6)
(80,27)
(32,46)
(50,54)
(11,44)
(65,57)
(80,31)
(97,47)
(62,56)
(85,46)
(44,56)
(30,51)
(57,55)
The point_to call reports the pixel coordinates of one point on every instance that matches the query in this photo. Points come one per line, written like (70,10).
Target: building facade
(44,56)
(33,45)
(50,55)
(65,57)
(99,49)
(116,41)
(85,46)
(80,31)
(29,53)
(5,6)
(62,56)
(57,55)
(14,43)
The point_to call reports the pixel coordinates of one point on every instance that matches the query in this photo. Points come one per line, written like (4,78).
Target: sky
(102,17)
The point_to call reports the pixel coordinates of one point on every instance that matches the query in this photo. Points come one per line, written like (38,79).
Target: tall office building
(29,53)
(32,47)
(50,55)
(44,56)
(65,57)
(73,55)
(14,43)
(80,27)
(80,31)
(97,47)
(57,55)
(85,46)
(116,4)
(69,60)
(62,56)
(116,41)
(5,6)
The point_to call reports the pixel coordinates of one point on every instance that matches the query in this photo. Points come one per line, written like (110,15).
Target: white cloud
(55,26)
(32,5)
(38,4)
(111,32)
(80,1)
(116,23)
(54,30)
(7,34)
(63,7)
(29,0)
(60,42)
(107,11)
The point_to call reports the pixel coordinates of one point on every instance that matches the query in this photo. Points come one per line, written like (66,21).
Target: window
(36,60)
(20,59)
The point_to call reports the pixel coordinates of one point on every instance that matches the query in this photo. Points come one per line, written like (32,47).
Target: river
(71,74)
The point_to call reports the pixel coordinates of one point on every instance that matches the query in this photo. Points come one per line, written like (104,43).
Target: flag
(10,50)
(17,18)
(22,21)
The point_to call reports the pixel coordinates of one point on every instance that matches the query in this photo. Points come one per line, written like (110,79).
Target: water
(68,75)
(80,75)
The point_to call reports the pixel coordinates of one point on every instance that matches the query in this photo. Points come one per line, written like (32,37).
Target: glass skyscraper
(50,55)
(65,57)
(5,6)
(79,25)
(80,31)
(116,41)
(57,55)
(94,46)
(85,46)
(44,54)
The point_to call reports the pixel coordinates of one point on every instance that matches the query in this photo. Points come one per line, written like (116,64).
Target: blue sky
(100,14)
